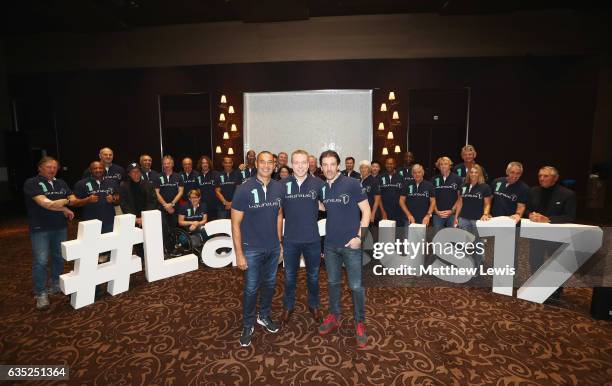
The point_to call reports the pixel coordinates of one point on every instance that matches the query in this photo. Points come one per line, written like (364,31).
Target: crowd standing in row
(264,192)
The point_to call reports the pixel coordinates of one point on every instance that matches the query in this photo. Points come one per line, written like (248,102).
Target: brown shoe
(316,314)
(286,315)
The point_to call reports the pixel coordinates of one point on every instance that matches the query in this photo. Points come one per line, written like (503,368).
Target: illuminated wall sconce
(223,99)
(230,151)
(225,135)
(395,115)
(381,126)
(218,150)
(385,151)
(221,117)
(397,149)
(390,135)
(234,128)
(391,96)
(383,107)
(230,110)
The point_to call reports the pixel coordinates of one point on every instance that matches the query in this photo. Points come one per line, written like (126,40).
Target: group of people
(264,193)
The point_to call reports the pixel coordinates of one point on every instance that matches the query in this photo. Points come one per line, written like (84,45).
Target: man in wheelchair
(189,236)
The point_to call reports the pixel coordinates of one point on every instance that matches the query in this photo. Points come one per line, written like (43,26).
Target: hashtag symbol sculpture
(84,250)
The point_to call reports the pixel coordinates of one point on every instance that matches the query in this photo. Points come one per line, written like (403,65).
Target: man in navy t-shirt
(510,195)
(349,162)
(446,185)
(227,181)
(370,186)
(417,198)
(112,172)
(344,201)
(100,196)
(468,154)
(390,187)
(207,181)
(301,235)
(148,174)
(169,190)
(189,178)
(257,222)
(248,169)
(47,199)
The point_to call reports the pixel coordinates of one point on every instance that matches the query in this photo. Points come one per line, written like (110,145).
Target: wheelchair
(183,243)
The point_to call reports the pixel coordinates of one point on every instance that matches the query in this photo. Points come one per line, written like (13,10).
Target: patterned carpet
(184,331)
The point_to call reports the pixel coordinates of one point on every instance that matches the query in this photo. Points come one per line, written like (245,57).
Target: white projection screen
(314,121)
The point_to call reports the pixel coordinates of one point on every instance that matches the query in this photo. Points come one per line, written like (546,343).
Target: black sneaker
(268,324)
(245,337)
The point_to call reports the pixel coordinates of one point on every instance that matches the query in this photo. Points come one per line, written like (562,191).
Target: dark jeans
(352,259)
(470,226)
(261,272)
(312,258)
(45,244)
(441,223)
(169,222)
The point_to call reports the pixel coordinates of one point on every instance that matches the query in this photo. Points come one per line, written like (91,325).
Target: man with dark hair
(390,190)
(226,185)
(248,169)
(148,174)
(405,171)
(349,162)
(257,223)
(344,201)
(135,194)
(47,199)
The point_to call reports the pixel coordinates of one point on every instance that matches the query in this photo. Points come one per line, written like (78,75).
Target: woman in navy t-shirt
(193,215)
(474,204)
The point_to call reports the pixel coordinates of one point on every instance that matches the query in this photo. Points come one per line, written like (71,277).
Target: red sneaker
(360,335)
(330,323)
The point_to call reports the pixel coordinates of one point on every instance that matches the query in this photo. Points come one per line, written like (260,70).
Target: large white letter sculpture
(81,282)
(156,268)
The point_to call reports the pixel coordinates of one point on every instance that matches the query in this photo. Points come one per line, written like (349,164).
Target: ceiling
(93,16)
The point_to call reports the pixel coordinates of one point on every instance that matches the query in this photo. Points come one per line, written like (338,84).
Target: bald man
(112,172)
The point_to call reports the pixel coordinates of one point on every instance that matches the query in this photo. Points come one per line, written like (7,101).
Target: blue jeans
(441,223)
(470,226)
(261,272)
(352,259)
(45,244)
(312,258)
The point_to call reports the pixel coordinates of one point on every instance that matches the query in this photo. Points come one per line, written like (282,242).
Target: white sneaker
(42,301)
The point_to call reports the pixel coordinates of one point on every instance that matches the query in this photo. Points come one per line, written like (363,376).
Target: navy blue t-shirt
(341,201)
(228,183)
(115,173)
(371,188)
(191,213)
(168,186)
(190,181)
(101,210)
(473,200)
(39,218)
(418,198)
(352,174)
(390,190)
(505,198)
(301,209)
(446,190)
(151,176)
(248,172)
(461,170)
(260,207)
(207,182)
(406,174)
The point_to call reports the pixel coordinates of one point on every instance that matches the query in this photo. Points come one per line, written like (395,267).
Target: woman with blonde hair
(474,204)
